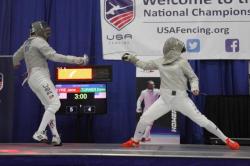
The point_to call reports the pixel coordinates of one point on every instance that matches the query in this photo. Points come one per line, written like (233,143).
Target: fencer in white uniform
(148,96)
(36,51)
(175,73)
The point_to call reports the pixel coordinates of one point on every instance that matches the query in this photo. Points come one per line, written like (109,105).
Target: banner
(210,29)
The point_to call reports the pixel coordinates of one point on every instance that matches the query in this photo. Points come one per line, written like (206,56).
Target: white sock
(52,126)
(212,128)
(47,116)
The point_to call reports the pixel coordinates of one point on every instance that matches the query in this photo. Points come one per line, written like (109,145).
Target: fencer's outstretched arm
(188,71)
(52,55)
(149,65)
(18,57)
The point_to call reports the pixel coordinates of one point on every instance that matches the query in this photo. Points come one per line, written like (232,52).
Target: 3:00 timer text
(81,96)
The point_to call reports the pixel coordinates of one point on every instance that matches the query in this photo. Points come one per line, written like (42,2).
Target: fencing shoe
(40,137)
(56,141)
(130,144)
(232,144)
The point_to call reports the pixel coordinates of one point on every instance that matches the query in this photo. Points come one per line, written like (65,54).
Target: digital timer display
(82,98)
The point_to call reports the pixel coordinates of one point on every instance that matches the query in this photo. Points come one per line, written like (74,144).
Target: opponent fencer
(175,73)
(148,96)
(36,51)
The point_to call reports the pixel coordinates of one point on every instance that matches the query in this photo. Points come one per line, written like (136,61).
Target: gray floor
(75,149)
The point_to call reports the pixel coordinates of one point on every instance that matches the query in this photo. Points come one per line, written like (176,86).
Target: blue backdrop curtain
(76,30)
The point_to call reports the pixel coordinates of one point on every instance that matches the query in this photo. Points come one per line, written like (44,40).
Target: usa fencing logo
(119,13)
(1,81)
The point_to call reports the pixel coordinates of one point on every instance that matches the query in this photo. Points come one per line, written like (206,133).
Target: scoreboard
(83,90)
(83,98)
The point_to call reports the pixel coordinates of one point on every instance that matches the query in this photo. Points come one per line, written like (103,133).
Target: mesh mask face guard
(40,28)
(172,50)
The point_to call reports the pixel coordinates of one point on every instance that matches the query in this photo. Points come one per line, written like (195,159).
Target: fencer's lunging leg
(189,109)
(212,128)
